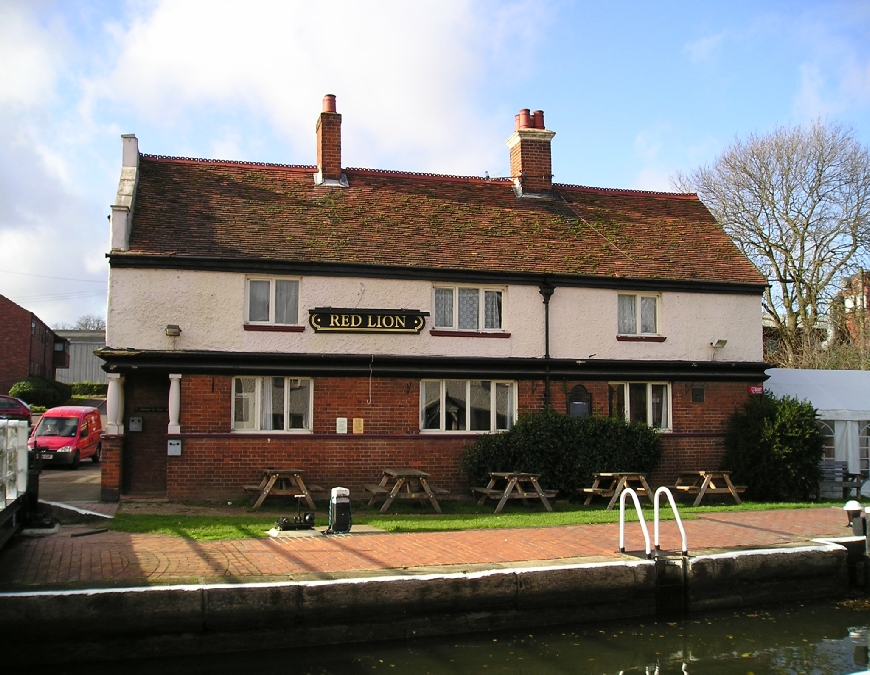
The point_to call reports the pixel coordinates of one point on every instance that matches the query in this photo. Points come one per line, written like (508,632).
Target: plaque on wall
(331,320)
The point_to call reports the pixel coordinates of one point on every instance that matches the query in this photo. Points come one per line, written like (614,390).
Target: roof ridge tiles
(231,162)
(426,174)
(627,191)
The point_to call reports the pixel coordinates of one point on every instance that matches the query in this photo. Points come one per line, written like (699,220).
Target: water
(817,639)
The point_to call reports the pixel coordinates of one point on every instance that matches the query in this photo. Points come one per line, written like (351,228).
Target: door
(143,471)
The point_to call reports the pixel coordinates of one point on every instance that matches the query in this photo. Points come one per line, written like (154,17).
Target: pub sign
(333,320)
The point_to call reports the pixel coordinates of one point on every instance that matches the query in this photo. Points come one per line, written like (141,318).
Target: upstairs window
(638,314)
(465,308)
(272,404)
(273,301)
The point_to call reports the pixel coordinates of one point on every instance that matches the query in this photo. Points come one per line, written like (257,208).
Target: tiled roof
(220,209)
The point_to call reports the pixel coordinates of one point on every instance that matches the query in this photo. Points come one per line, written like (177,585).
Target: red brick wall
(215,463)
(110,471)
(18,347)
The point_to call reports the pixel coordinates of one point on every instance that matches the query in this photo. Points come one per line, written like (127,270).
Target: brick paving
(70,560)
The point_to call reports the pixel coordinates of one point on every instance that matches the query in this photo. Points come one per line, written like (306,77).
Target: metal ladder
(662,490)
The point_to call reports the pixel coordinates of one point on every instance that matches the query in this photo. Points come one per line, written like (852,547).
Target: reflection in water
(826,639)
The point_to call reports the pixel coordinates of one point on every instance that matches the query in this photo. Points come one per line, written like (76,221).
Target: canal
(801,639)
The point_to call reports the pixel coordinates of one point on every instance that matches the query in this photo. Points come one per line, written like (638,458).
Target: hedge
(89,389)
(774,446)
(38,391)
(565,451)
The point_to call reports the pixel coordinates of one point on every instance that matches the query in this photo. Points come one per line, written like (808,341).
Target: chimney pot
(538,117)
(516,121)
(329,103)
(525,122)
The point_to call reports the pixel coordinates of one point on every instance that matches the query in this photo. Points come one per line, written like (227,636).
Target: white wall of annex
(209,307)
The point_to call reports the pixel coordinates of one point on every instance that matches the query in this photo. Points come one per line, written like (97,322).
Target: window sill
(273,328)
(641,338)
(466,333)
(271,432)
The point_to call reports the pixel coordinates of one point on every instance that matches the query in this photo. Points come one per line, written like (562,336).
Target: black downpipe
(546,290)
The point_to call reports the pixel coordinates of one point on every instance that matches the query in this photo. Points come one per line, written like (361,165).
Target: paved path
(117,559)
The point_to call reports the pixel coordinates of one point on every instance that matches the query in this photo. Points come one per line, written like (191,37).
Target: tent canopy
(836,394)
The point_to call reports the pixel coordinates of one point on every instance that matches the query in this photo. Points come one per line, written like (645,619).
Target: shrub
(38,391)
(565,451)
(89,389)
(774,446)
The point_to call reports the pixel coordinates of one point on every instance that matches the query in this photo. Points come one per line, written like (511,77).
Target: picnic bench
(836,477)
(613,484)
(282,482)
(702,483)
(404,483)
(517,485)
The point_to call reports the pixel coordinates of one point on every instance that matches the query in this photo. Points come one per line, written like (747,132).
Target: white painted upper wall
(210,309)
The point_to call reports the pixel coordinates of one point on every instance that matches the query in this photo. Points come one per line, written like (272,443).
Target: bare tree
(86,322)
(797,202)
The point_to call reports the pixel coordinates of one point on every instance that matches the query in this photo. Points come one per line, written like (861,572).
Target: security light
(719,344)
(172,330)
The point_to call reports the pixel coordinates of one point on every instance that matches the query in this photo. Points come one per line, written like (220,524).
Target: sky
(635,91)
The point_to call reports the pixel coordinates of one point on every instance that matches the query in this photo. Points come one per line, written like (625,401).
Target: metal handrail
(630,491)
(666,491)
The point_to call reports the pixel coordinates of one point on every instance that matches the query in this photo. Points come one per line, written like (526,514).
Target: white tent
(842,399)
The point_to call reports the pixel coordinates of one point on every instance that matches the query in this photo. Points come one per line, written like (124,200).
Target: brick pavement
(118,559)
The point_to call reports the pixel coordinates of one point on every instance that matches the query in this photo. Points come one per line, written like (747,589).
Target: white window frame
(481,307)
(638,303)
(443,413)
(255,426)
(649,403)
(864,447)
(826,428)
(273,287)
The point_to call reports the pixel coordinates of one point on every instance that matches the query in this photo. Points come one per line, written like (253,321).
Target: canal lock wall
(105,624)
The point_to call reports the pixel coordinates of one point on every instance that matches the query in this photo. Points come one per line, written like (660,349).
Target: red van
(67,435)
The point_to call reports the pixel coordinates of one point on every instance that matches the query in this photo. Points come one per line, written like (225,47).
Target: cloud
(404,73)
(27,63)
(705,48)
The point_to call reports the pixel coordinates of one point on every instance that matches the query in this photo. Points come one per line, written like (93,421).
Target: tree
(86,322)
(797,202)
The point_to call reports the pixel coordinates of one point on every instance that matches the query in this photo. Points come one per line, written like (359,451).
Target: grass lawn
(411,517)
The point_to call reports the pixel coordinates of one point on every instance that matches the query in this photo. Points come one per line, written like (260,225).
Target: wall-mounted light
(172,330)
(719,344)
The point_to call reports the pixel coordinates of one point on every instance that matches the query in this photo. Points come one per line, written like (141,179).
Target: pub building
(342,320)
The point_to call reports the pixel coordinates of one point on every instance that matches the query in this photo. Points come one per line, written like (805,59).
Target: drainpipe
(546,290)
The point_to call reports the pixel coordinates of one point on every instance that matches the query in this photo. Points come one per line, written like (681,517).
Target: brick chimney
(329,145)
(531,164)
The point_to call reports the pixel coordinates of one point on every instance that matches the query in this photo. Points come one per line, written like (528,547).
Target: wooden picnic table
(612,484)
(281,482)
(404,483)
(516,487)
(703,483)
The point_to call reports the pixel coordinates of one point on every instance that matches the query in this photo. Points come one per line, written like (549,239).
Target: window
(638,315)
(864,447)
(647,402)
(827,431)
(473,309)
(467,405)
(273,301)
(272,404)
